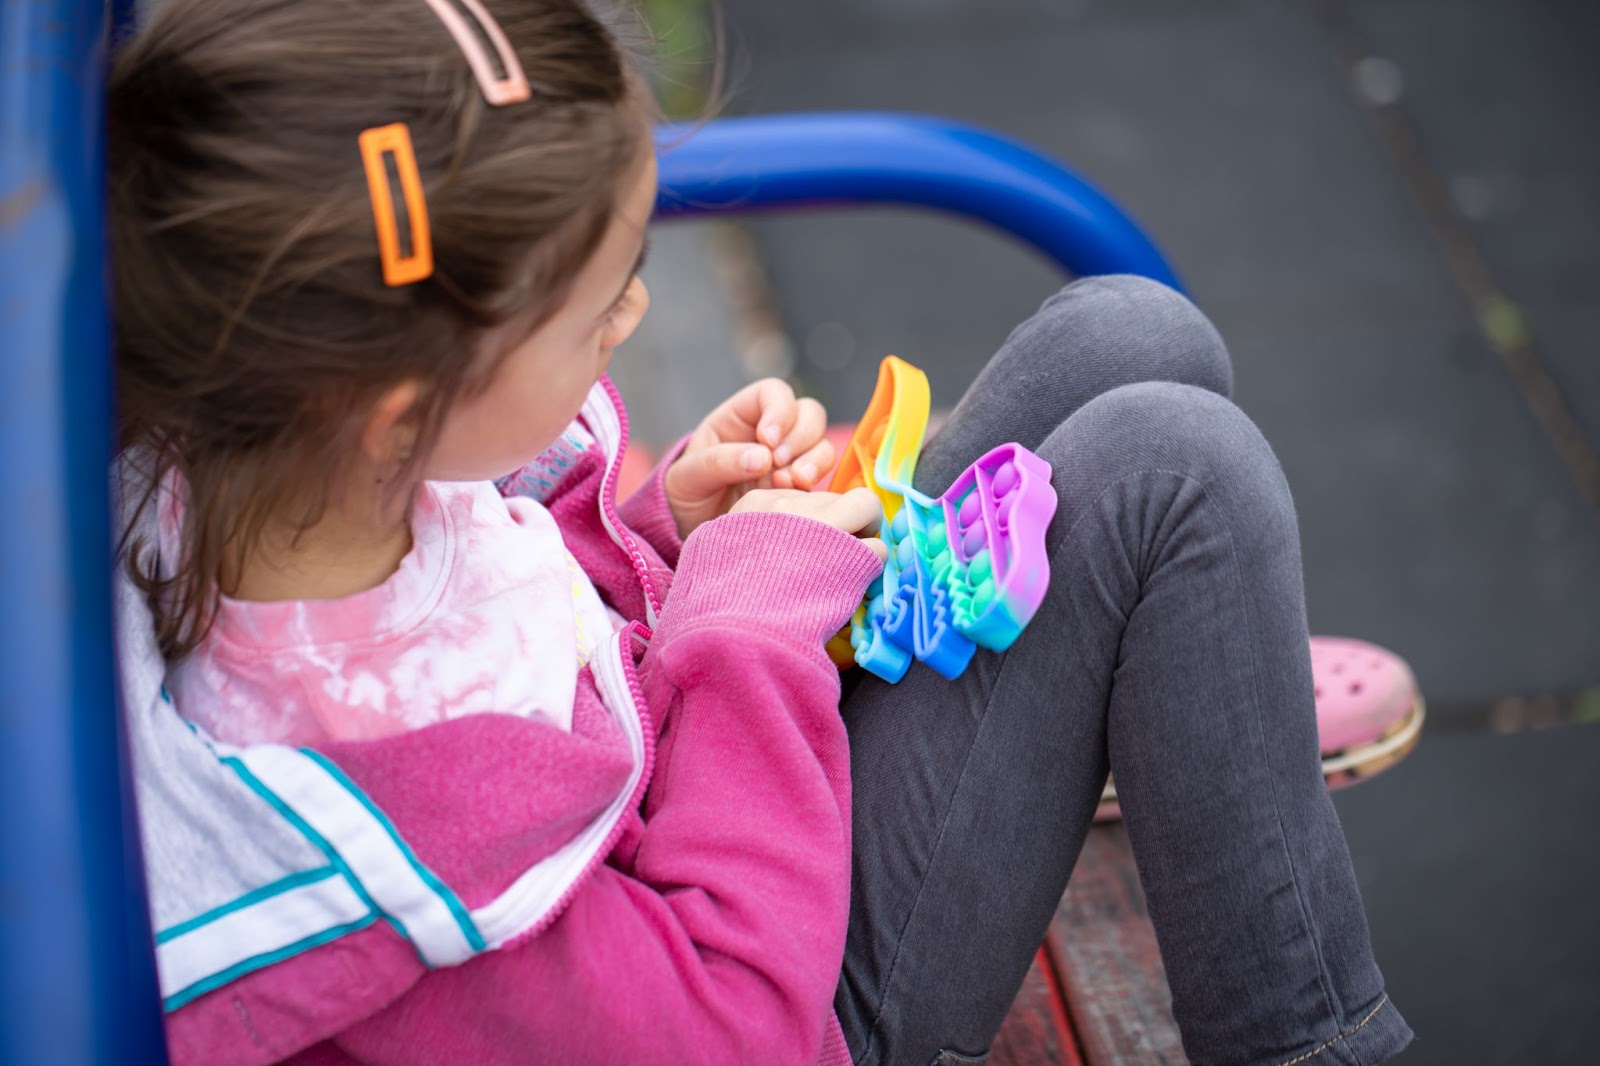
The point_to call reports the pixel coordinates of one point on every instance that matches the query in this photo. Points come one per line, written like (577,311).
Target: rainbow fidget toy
(966,569)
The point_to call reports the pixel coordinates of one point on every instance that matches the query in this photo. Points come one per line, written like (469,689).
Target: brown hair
(253,323)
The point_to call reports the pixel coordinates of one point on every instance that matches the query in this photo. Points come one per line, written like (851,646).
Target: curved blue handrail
(782,162)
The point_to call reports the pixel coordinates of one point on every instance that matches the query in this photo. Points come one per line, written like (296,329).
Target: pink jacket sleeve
(718,939)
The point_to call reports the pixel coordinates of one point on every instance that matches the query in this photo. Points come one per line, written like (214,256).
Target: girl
(431,770)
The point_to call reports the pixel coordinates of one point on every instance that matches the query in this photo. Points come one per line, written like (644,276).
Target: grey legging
(1170,650)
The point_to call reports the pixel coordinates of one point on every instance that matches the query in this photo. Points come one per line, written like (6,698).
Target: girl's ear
(391,431)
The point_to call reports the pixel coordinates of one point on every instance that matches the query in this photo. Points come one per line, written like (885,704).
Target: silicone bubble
(974,541)
(1005,479)
(905,553)
(971,510)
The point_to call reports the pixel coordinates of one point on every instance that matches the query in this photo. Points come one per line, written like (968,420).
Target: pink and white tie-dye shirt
(488,612)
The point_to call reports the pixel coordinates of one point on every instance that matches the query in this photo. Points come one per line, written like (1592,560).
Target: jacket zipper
(646,722)
(608,507)
(633,631)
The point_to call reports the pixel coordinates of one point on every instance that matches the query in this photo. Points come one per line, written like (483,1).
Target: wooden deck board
(1038,1032)
(1097,993)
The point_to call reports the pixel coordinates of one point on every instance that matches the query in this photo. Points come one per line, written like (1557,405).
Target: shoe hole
(1338,668)
(1318,691)
(1355,688)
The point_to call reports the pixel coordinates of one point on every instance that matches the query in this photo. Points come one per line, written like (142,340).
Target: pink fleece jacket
(713,931)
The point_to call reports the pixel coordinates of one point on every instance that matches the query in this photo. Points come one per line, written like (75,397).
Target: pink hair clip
(499,90)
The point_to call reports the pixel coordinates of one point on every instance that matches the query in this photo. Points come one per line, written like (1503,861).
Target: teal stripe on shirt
(316,838)
(469,928)
(259,962)
(276,888)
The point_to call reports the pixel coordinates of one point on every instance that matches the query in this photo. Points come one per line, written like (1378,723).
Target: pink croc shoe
(1369,709)
(1369,713)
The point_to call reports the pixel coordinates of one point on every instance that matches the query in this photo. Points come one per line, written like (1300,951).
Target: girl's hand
(857,511)
(761,437)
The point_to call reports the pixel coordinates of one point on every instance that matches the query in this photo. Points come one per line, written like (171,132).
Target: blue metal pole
(77,983)
(780,162)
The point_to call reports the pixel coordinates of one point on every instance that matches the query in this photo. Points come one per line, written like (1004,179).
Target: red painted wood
(1097,993)
(1071,1053)
(1037,1032)
(1105,950)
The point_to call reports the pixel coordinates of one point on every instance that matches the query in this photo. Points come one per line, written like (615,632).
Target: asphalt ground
(1438,516)
(1391,208)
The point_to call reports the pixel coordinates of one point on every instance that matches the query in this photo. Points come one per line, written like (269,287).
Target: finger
(879,548)
(793,501)
(810,423)
(781,500)
(704,436)
(858,511)
(744,415)
(774,410)
(711,470)
(778,412)
(805,471)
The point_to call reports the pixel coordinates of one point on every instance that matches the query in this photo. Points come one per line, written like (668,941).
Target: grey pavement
(1509,100)
(1477,861)
(684,358)
(1439,518)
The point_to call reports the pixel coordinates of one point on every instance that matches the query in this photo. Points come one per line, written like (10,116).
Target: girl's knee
(1130,319)
(1175,429)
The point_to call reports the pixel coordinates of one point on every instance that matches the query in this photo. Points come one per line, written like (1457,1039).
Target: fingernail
(805,471)
(753,459)
(771,435)
(782,456)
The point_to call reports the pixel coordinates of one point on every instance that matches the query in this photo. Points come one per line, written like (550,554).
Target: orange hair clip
(395,139)
(498,90)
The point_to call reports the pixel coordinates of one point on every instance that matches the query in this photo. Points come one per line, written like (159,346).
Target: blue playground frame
(77,981)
